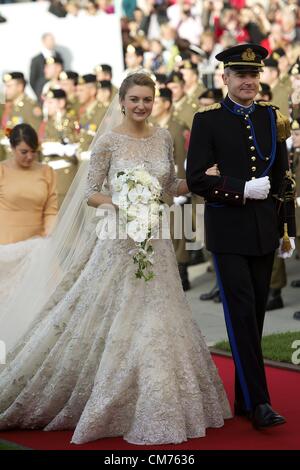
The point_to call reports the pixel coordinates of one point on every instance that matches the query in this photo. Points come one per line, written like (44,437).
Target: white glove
(286,254)
(179,200)
(257,189)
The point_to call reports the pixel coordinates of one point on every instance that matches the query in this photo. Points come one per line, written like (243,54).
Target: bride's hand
(213,171)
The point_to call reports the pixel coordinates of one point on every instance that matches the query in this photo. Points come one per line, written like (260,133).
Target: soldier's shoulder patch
(266,103)
(211,107)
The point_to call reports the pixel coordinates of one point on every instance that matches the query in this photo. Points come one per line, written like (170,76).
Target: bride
(92,348)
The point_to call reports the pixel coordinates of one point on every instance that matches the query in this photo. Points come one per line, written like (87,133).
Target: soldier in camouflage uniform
(58,131)
(18,108)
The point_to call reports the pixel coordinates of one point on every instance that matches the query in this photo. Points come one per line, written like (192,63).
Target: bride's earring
(123,110)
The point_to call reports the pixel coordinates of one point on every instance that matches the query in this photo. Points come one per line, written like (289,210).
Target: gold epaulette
(266,103)
(211,107)
(282,122)
(283,126)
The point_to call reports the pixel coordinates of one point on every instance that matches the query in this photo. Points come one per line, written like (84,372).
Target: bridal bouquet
(137,194)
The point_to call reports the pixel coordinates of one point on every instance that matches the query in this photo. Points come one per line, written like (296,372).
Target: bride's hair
(140,79)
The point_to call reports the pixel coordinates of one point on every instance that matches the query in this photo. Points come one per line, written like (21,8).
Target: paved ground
(209,315)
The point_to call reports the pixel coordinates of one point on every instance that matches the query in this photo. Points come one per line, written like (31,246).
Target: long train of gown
(111,355)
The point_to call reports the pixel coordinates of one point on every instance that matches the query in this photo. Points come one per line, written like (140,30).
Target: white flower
(137,230)
(139,194)
(143,177)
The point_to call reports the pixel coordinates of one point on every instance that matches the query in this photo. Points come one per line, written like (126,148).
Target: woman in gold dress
(28,200)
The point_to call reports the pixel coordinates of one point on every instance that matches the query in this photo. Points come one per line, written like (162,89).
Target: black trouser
(244,284)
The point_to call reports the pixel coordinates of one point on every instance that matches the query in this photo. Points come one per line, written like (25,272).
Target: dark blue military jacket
(244,146)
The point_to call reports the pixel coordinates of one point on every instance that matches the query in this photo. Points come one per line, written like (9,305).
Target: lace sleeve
(172,183)
(98,167)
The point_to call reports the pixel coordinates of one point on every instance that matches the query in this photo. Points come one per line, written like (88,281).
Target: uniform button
(252,148)
(253,158)
(246,116)
(253,178)
(216,192)
(66,171)
(236,196)
(226,194)
(248,127)
(267,158)
(253,168)
(250,137)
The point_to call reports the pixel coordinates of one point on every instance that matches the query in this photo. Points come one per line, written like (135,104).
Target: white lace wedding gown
(111,355)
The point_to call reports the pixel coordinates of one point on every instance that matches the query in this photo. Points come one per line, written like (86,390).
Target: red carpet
(237,434)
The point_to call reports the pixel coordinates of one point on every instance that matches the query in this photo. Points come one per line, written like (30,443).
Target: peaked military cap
(103,68)
(187,64)
(138,50)
(271,62)
(165,93)
(56,93)
(175,77)
(161,78)
(69,75)
(87,78)
(295,125)
(54,60)
(244,57)
(13,76)
(277,53)
(104,84)
(212,93)
(264,88)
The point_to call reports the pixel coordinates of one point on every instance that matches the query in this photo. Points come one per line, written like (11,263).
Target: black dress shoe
(296,316)
(197,257)
(211,294)
(217,298)
(295,283)
(265,417)
(274,300)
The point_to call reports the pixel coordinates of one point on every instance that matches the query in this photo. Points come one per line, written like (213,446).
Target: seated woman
(28,206)
(28,200)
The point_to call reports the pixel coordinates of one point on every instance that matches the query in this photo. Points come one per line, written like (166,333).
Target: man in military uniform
(210,96)
(53,67)
(59,133)
(18,107)
(104,72)
(183,109)
(193,85)
(244,217)
(105,93)
(295,163)
(91,112)
(68,80)
(280,84)
(162,116)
